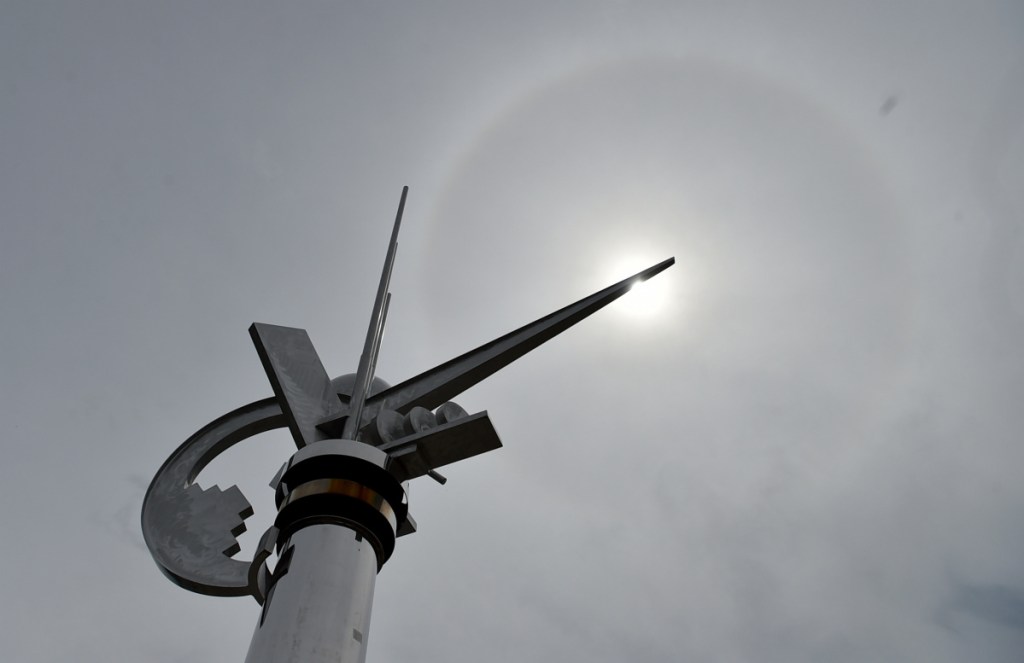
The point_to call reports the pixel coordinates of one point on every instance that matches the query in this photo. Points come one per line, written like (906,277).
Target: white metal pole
(318,610)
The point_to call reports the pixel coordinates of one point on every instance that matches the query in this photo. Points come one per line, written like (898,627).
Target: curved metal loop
(191,531)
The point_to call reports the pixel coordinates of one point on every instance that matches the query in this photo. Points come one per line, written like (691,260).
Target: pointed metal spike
(374,333)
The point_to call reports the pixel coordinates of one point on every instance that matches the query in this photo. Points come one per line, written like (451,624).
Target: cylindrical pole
(338,514)
(318,609)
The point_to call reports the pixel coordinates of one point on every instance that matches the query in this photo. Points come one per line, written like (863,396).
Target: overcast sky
(806,449)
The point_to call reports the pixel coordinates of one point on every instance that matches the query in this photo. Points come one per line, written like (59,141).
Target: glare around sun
(645,299)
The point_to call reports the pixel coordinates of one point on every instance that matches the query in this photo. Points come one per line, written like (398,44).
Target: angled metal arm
(440,384)
(421,453)
(300,382)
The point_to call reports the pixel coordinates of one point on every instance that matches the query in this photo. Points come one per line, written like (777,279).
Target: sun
(646,299)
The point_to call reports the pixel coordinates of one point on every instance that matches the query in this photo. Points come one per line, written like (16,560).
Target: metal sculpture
(341,497)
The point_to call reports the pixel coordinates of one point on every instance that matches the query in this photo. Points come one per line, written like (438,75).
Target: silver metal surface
(318,611)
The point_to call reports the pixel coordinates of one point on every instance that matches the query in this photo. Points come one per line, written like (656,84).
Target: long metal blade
(374,333)
(440,384)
